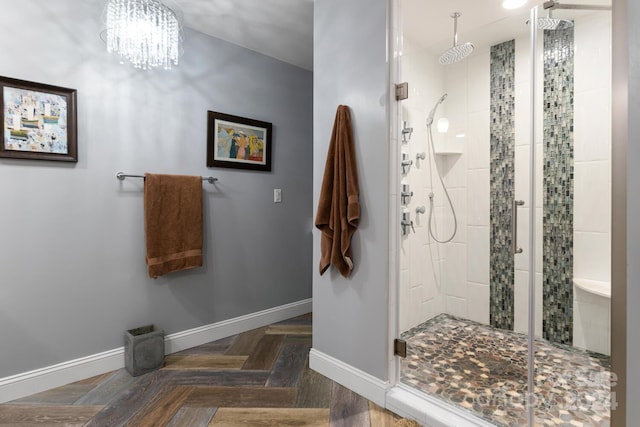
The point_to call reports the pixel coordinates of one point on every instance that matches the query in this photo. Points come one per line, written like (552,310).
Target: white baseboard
(27,383)
(204,334)
(36,381)
(364,384)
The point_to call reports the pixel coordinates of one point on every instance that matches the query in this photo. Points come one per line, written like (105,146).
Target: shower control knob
(406,194)
(406,163)
(406,223)
(420,210)
(406,131)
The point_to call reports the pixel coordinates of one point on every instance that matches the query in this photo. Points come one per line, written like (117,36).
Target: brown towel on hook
(172,222)
(338,208)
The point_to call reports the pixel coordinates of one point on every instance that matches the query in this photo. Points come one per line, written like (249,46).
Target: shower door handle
(514,226)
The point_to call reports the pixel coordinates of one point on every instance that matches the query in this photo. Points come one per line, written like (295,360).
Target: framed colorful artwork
(39,121)
(238,142)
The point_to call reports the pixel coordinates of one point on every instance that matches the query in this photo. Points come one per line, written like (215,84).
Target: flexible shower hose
(432,154)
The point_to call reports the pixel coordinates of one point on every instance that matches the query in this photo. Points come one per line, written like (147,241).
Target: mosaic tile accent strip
(557,222)
(502,131)
(484,371)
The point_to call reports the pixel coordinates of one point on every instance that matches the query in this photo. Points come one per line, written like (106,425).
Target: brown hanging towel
(172,223)
(338,208)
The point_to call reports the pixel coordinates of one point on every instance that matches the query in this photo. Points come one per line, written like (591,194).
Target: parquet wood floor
(259,378)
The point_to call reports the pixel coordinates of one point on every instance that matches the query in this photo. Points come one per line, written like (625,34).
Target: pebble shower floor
(484,370)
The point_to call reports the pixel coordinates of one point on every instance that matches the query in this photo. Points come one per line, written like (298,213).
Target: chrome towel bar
(121,176)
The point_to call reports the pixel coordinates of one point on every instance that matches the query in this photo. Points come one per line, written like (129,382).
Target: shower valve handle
(406,163)
(406,222)
(405,227)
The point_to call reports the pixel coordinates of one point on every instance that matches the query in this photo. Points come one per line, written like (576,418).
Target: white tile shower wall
(477,138)
(421,259)
(478,149)
(455,278)
(478,256)
(478,302)
(522,182)
(478,196)
(467,107)
(459,200)
(592,168)
(466,264)
(479,82)
(455,167)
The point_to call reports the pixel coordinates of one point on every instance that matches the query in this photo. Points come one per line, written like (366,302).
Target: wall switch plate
(277,195)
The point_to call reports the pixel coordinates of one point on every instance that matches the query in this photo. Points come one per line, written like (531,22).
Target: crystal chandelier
(145,32)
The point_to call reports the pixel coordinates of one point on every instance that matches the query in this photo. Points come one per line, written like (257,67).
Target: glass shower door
(573,220)
(463,287)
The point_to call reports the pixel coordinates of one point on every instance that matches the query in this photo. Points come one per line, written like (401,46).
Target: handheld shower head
(433,111)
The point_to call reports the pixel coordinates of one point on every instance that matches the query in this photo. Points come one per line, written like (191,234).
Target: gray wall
(72,267)
(632,69)
(625,247)
(350,319)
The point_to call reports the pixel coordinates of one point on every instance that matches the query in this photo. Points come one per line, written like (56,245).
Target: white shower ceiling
(427,24)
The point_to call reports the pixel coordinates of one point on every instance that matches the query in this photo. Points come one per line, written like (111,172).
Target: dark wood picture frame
(238,142)
(39,121)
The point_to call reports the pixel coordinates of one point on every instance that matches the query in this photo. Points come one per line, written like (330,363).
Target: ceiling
(283,29)
(427,24)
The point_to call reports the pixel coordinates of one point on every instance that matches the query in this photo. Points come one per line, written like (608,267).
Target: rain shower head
(551,23)
(456,52)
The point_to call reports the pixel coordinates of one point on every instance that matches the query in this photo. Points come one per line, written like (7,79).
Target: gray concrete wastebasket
(143,350)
